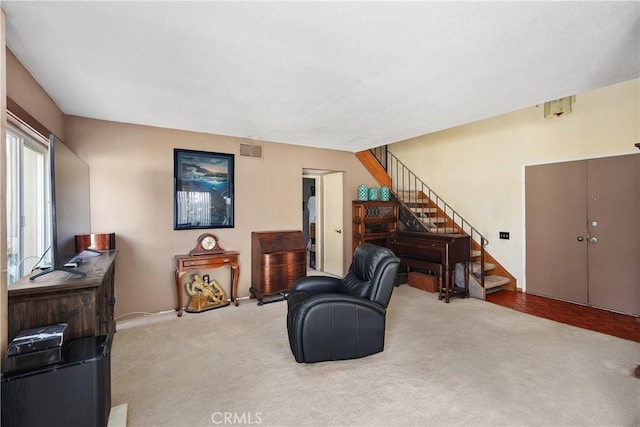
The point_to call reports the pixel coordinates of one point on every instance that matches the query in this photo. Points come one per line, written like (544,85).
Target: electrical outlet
(504,235)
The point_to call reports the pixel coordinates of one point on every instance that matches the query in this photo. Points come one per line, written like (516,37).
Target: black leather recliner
(334,319)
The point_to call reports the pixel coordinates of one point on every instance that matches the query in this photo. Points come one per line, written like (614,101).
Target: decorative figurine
(204,295)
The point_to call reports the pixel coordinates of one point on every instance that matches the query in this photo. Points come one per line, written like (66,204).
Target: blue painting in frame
(203,189)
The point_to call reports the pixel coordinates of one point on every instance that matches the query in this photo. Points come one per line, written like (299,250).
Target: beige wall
(479,168)
(28,94)
(132,195)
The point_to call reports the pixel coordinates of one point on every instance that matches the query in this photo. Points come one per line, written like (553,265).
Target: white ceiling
(339,75)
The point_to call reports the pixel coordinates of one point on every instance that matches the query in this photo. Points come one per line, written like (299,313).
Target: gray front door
(583,232)
(556,216)
(613,200)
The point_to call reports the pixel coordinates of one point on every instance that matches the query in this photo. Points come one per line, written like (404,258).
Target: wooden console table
(204,262)
(86,304)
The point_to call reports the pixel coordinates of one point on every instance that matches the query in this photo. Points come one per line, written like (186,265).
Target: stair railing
(409,189)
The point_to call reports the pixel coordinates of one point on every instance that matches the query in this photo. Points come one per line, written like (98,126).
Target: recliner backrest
(372,274)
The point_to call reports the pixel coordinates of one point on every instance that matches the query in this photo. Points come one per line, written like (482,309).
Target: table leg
(235,273)
(180,306)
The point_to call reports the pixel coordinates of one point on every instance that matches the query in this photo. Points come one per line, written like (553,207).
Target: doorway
(322,221)
(309,219)
(583,232)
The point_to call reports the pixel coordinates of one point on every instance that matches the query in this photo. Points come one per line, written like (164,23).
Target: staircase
(421,209)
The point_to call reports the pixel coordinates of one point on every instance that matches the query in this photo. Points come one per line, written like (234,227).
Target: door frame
(317,176)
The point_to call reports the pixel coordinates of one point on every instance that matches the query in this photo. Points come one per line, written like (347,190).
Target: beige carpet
(467,363)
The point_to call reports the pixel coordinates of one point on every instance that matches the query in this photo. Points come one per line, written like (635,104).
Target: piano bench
(425,282)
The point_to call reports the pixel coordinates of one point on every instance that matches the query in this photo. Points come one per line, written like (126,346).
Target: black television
(70,212)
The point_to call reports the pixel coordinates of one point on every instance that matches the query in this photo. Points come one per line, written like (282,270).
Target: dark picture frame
(203,189)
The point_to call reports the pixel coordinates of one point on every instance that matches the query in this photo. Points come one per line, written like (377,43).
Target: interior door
(556,232)
(613,188)
(333,252)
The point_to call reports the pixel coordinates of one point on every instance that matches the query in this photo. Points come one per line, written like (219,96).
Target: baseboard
(118,416)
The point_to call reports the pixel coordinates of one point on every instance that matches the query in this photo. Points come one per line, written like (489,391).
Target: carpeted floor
(468,363)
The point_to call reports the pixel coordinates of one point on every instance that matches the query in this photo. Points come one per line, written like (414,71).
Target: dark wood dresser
(86,304)
(278,258)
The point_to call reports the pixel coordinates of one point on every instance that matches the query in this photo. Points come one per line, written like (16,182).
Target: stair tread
(493,281)
(475,253)
(419,209)
(434,220)
(411,195)
(443,230)
(475,266)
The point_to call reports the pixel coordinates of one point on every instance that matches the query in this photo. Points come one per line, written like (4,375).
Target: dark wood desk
(204,262)
(86,304)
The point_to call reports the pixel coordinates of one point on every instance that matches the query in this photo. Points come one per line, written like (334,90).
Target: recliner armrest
(320,299)
(316,284)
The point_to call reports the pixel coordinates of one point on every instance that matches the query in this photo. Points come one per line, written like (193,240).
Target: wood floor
(606,322)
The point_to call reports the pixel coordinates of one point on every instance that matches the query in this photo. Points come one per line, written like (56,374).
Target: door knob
(580,238)
(338,231)
(594,223)
(594,240)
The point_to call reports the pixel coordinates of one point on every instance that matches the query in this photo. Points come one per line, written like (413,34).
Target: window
(27,204)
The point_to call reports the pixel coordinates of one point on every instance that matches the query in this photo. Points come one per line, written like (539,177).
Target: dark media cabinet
(77,390)
(85,303)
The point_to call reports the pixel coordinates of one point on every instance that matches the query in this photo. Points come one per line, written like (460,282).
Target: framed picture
(203,190)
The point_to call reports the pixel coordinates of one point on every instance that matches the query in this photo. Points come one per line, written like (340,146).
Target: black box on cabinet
(35,339)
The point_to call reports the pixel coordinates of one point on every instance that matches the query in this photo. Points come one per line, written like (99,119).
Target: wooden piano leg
(447,284)
(450,284)
(466,279)
(441,284)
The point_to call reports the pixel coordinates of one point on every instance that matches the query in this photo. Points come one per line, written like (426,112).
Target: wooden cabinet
(86,304)
(373,222)
(278,258)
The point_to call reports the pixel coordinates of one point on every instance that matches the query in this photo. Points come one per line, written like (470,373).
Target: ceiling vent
(250,149)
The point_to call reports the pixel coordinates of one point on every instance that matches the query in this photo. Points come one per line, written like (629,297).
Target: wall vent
(248,149)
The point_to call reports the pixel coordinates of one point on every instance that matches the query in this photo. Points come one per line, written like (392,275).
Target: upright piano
(421,250)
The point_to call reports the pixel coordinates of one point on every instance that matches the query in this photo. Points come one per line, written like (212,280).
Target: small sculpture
(204,295)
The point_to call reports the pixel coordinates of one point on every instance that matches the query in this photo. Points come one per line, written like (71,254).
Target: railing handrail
(404,180)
